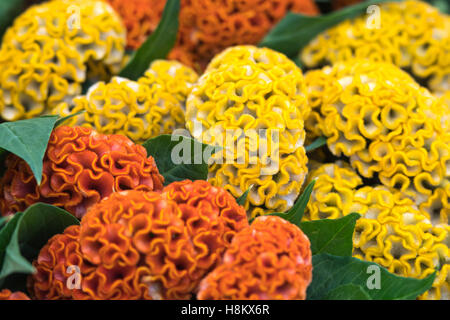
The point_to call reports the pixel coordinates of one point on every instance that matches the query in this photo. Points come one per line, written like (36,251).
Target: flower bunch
(45,54)
(142,245)
(411,34)
(143,109)
(80,168)
(251,101)
(388,126)
(271,259)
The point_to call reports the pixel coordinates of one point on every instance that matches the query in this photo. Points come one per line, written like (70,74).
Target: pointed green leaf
(319,142)
(33,229)
(331,272)
(9,10)
(6,233)
(295,30)
(348,292)
(241,200)
(61,121)
(295,214)
(179,158)
(157,45)
(333,236)
(28,139)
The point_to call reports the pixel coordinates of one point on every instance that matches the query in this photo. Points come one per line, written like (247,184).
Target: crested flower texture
(392,231)
(271,259)
(388,126)
(46,52)
(251,102)
(207,27)
(153,245)
(80,168)
(411,34)
(153,105)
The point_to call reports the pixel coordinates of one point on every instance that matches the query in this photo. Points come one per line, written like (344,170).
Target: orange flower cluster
(6,294)
(142,245)
(271,259)
(80,168)
(54,267)
(207,27)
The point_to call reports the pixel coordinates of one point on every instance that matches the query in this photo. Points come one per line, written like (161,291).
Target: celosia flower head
(153,105)
(251,102)
(161,244)
(58,262)
(411,34)
(271,259)
(208,27)
(80,168)
(392,231)
(390,127)
(45,54)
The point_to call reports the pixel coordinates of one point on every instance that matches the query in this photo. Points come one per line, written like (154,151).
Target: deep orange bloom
(152,245)
(55,267)
(6,294)
(271,259)
(80,168)
(207,27)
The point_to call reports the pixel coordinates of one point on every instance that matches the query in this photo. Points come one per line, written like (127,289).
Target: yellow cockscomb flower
(333,191)
(252,102)
(153,105)
(390,127)
(411,34)
(395,234)
(45,55)
(392,231)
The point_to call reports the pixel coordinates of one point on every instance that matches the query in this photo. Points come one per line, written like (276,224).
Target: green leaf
(319,142)
(179,158)
(295,30)
(28,139)
(331,272)
(157,45)
(32,230)
(333,236)
(295,214)
(442,5)
(241,200)
(9,10)
(60,121)
(348,292)
(6,233)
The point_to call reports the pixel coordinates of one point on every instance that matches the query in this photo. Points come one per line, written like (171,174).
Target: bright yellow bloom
(153,105)
(392,231)
(333,192)
(412,34)
(389,127)
(45,55)
(252,102)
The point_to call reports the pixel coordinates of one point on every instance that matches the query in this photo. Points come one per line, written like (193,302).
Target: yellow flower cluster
(45,55)
(251,101)
(390,127)
(153,105)
(392,231)
(333,193)
(411,34)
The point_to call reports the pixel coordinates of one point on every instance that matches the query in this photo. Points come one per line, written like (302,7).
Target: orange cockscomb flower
(80,168)
(6,294)
(207,27)
(58,262)
(157,245)
(269,260)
